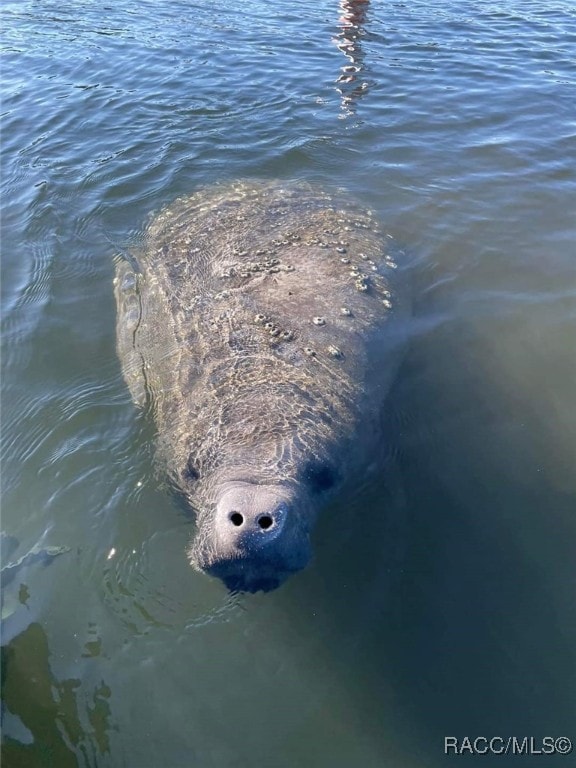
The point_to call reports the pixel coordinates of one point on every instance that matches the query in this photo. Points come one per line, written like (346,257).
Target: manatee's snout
(240,523)
(259,537)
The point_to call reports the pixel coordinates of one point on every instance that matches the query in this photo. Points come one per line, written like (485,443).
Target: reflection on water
(48,722)
(45,721)
(350,83)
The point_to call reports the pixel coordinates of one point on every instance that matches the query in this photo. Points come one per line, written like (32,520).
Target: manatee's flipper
(128,320)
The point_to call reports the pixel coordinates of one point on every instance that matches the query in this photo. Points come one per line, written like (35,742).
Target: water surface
(441,600)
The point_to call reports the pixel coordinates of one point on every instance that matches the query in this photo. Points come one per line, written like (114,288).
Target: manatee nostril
(236,519)
(265,522)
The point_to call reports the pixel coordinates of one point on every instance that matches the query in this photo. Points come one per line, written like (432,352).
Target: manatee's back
(258,297)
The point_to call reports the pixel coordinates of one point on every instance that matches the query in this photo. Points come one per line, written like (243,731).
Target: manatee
(258,323)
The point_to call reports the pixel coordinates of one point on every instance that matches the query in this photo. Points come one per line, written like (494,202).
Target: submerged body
(257,322)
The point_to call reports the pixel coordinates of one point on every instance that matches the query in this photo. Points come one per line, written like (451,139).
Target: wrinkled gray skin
(258,324)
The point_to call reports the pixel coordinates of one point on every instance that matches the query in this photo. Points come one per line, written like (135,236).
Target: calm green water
(441,600)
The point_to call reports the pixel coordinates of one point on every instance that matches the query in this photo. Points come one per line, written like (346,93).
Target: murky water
(441,600)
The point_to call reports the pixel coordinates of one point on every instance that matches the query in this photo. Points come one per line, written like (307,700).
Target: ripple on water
(35,288)
(150,586)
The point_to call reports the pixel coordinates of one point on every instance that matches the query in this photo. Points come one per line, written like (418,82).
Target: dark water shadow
(47,722)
